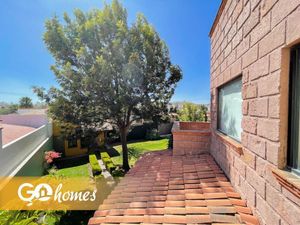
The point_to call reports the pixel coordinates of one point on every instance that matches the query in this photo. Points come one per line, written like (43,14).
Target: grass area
(77,171)
(141,147)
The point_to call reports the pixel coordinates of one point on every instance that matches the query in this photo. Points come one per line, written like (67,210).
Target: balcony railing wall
(15,155)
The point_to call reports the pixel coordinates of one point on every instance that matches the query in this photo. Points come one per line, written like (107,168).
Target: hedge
(104,155)
(110,166)
(139,132)
(96,169)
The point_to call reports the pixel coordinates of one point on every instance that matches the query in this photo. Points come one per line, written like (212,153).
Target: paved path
(166,189)
(105,173)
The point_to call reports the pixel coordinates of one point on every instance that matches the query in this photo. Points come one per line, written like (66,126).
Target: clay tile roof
(166,189)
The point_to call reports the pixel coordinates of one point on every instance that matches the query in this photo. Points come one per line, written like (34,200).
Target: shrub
(110,166)
(105,161)
(139,132)
(96,169)
(133,153)
(152,134)
(104,155)
(118,172)
(112,136)
(51,155)
(193,112)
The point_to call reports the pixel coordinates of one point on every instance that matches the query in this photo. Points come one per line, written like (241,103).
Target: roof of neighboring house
(32,111)
(166,189)
(13,132)
(220,11)
(107,127)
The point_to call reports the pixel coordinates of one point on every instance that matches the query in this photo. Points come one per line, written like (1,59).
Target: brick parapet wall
(252,38)
(191,138)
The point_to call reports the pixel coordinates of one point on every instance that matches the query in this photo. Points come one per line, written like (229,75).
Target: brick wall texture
(191,138)
(249,40)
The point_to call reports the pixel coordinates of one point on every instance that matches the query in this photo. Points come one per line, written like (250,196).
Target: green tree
(25,102)
(108,71)
(193,112)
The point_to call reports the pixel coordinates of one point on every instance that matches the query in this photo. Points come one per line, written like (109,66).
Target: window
(72,141)
(85,142)
(294,112)
(230,109)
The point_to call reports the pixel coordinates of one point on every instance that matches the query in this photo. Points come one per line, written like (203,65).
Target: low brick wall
(191,138)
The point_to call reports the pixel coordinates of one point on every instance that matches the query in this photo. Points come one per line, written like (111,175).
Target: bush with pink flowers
(51,155)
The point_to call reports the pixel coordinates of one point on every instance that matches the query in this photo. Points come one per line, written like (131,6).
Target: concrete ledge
(195,126)
(288,180)
(236,146)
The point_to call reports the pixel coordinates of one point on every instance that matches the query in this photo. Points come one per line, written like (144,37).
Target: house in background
(255,99)
(27,134)
(69,139)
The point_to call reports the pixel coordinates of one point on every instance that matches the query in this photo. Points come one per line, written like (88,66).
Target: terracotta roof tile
(165,189)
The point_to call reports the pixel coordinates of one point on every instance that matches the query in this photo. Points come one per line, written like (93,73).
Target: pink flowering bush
(50,155)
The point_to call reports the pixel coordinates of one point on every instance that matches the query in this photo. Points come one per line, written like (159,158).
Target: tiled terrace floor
(166,189)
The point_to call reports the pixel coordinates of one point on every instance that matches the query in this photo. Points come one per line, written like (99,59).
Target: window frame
(293,151)
(239,77)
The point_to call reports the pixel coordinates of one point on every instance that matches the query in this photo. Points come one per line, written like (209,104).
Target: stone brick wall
(252,39)
(191,138)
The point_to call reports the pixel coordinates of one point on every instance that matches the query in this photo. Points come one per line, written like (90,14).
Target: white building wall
(35,121)
(16,154)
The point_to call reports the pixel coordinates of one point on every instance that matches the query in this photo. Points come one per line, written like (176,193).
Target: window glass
(85,141)
(72,141)
(294,111)
(230,109)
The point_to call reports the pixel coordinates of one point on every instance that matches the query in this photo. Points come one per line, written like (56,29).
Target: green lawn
(77,171)
(141,147)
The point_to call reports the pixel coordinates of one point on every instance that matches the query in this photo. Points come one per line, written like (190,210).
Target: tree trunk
(123,136)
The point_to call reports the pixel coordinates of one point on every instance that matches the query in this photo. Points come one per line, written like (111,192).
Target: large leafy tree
(193,112)
(25,102)
(108,71)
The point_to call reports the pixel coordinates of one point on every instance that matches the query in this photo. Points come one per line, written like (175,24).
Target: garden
(136,149)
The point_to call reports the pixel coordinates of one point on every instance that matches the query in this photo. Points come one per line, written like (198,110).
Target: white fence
(14,155)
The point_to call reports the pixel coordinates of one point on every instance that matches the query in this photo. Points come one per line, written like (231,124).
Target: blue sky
(183,25)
